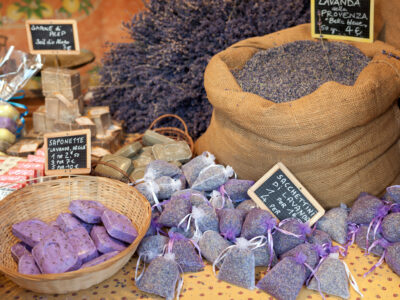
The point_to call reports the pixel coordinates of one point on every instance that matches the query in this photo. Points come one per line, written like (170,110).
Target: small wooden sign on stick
(279,192)
(52,36)
(68,152)
(351,20)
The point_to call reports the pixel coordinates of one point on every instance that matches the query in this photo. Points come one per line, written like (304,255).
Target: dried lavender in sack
(230,222)
(289,234)
(159,168)
(364,209)
(238,265)
(257,222)
(312,257)
(394,193)
(284,281)
(392,257)
(192,169)
(185,253)
(196,197)
(212,177)
(334,222)
(155,227)
(247,206)
(151,247)
(161,277)
(236,189)
(319,237)
(187,233)
(391,227)
(174,211)
(361,240)
(218,201)
(167,186)
(205,218)
(265,256)
(331,278)
(212,244)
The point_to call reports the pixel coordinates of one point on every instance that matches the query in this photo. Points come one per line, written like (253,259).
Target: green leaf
(38,12)
(63,10)
(22,9)
(27,1)
(17,4)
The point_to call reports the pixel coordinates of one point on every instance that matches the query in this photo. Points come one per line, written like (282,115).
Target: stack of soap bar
(176,151)
(123,163)
(64,81)
(101,117)
(63,111)
(151,138)
(129,151)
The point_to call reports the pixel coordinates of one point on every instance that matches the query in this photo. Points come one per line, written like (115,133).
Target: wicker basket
(45,201)
(171,132)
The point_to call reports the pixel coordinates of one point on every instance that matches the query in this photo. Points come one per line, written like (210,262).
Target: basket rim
(74,274)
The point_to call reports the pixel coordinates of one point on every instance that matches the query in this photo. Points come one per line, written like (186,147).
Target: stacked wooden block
(64,109)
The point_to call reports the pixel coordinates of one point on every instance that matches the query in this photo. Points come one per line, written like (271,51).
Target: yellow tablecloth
(381,284)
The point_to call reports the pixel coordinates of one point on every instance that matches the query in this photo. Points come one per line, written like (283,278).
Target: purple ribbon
(176,236)
(351,235)
(229,234)
(304,229)
(384,244)
(270,224)
(377,220)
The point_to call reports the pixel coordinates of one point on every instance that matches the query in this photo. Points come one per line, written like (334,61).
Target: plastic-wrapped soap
(18,250)
(100,259)
(55,254)
(83,244)
(87,210)
(119,226)
(105,243)
(212,177)
(27,265)
(32,231)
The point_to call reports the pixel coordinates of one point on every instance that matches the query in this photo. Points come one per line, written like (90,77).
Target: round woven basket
(171,132)
(48,199)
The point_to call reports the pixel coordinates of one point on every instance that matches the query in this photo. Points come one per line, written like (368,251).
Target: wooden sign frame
(252,192)
(86,170)
(315,34)
(30,22)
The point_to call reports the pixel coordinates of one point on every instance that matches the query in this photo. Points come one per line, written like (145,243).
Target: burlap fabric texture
(338,141)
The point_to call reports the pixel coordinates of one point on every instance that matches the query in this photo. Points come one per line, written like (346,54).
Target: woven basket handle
(169,116)
(94,164)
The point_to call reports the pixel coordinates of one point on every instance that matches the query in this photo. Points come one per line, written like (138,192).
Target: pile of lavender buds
(297,69)
(210,212)
(160,68)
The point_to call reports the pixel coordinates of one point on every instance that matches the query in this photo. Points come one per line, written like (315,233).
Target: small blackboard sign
(68,152)
(52,36)
(343,19)
(279,192)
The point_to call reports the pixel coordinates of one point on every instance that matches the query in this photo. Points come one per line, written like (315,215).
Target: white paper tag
(4,192)
(84,121)
(32,147)
(99,152)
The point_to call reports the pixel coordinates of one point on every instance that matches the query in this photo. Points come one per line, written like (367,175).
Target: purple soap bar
(105,243)
(100,259)
(32,231)
(68,222)
(27,265)
(87,210)
(18,250)
(55,254)
(119,226)
(8,123)
(82,243)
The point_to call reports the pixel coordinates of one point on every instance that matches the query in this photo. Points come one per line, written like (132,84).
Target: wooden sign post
(52,36)
(351,20)
(67,152)
(279,192)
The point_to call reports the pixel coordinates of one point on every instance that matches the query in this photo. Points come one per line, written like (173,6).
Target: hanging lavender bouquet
(161,70)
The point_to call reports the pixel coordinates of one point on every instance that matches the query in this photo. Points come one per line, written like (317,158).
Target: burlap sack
(338,141)
(389,12)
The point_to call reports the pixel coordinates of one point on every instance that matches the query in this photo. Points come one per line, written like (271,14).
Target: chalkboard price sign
(343,19)
(279,192)
(52,36)
(68,152)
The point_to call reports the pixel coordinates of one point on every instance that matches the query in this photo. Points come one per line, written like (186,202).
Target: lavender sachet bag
(174,211)
(167,186)
(247,206)
(159,168)
(195,197)
(238,266)
(364,209)
(289,234)
(394,193)
(236,189)
(391,227)
(218,201)
(192,169)
(161,277)
(257,222)
(212,244)
(149,189)
(319,237)
(334,222)
(309,250)
(151,247)
(285,279)
(212,177)
(361,240)
(392,257)
(185,253)
(230,223)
